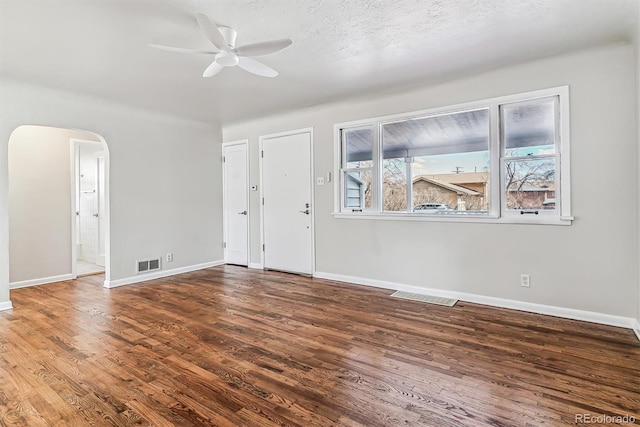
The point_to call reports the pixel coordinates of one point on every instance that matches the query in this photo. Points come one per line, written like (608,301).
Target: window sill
(483,219)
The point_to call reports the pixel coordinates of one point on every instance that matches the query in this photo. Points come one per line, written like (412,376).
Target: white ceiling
(340,47)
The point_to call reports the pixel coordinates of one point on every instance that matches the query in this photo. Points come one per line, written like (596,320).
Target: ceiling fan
(226,54)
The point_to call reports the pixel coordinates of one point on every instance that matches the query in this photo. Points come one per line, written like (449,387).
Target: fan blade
(211,31)
(255,67)
(182,50)
(213,69)
(263,48)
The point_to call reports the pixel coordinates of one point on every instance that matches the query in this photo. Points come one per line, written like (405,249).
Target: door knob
(242,213)
(96,215)
(305,212)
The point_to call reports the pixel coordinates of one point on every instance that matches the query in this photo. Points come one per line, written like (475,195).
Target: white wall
(40,202)
(165,176)
(590,265)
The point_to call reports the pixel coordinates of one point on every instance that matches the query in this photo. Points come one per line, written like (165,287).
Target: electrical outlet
(525,280)
(169,257)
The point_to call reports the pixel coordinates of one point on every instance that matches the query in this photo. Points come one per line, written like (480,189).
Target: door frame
(102,211)
(75,162)
(225,239)
(261,140)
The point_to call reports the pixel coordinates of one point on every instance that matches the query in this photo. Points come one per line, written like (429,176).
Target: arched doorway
(46,199)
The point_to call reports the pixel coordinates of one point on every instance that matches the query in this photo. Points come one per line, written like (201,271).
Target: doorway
(42,204)
(287,201)
(235,179)
(89,208)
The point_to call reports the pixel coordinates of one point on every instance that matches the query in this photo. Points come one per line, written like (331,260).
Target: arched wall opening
(44,201)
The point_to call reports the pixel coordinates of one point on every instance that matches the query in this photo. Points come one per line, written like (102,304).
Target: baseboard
(256,265)
(636,328)
(40,281)
(5,305)
(159,274)
(568,313)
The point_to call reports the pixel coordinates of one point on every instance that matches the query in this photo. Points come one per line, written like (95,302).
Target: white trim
(312,192)
(261,139)
(470,218)
(338,155)
(568,313)
(5,305)
(160,274)
(261,197)
(225,236)
(565,152)
(480,218)
(40,281)
(74,153)
(256,265)
(636,328)
(495,185)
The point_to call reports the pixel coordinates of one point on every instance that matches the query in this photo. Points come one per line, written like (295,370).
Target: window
(357,167)
(529,138)
(441,159)
(503,159)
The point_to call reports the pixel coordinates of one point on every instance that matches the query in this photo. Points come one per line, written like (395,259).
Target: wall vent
(147,266)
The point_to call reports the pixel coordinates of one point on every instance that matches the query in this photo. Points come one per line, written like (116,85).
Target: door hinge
(224,245)
(224,159)
(263,201)
(263,247)
(262,154)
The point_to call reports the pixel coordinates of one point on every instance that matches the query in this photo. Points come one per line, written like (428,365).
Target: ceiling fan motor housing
(229,35)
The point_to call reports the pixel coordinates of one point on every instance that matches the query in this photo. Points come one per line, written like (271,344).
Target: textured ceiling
(340,47)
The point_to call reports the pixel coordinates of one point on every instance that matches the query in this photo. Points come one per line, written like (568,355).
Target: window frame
(464,108)
(556,156)
(497,197)
(344,169)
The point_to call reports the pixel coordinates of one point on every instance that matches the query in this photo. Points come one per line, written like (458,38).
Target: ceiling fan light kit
(227,59)
(226,54)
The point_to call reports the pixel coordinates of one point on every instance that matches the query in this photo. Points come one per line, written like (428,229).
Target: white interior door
(236,224)
(287,214)
(88,232)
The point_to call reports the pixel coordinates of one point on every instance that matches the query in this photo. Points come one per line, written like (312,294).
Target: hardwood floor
(229,346)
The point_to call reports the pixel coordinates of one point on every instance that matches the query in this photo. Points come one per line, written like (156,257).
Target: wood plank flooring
(229,346)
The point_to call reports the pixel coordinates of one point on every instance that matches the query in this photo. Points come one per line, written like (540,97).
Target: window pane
(462,184)
(358,143)
(531,184)
(529,128)
(357,189)
(449,157)
(394,185)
